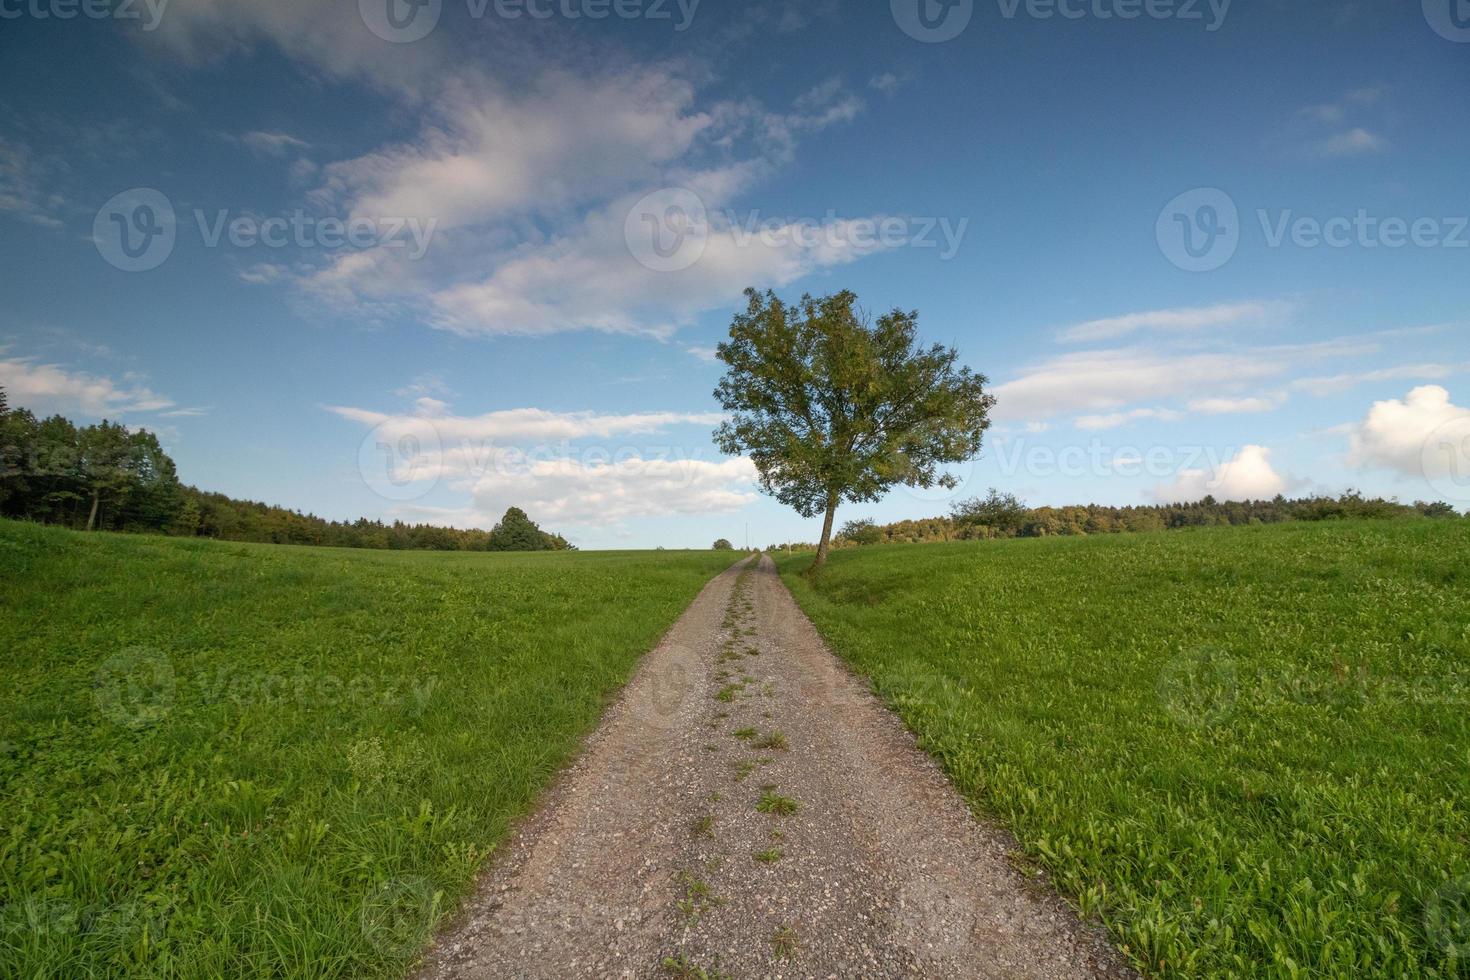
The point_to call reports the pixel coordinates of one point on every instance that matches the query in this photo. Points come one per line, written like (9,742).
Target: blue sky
(1196,248)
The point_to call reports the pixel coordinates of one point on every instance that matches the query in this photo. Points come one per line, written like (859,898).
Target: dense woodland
(1002,515)
(108,477)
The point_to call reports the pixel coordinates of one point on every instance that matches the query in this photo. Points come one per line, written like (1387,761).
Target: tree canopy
(832,405)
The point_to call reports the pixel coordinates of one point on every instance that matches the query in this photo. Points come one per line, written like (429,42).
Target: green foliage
(517,532)
(1244,748)
(861,531)
(1005,513)
(723,544)
(229,760)
(53,472)
(831,407)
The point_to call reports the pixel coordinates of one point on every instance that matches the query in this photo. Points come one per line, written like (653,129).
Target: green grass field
(1247,750)
(245,760)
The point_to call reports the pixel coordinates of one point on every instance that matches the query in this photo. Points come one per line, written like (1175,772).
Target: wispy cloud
(46,388)
(1181,319)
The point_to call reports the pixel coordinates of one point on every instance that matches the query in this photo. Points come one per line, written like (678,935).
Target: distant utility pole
(747,535)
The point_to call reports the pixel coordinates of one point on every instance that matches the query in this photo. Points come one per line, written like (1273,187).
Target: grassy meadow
(1246,749)
(252,760)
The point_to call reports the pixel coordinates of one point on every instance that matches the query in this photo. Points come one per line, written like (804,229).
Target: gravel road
(748,809)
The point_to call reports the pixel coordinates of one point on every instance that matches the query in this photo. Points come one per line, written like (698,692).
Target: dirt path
(652,857)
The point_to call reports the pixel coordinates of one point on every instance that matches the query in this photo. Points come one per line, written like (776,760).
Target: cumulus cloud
(51,388)
(1401,435)
(1248,475)
(578,491)
(591,468)
(1173,320)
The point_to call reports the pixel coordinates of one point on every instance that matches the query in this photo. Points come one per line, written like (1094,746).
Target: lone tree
(831,406)
(517,532)
(723,544)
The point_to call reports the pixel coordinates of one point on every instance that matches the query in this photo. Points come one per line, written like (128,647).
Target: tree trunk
(92,517)
(826,533)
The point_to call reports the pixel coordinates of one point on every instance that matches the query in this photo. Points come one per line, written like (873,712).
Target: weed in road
(770,856)
(784,942)
(683,968)
(779,806)
(728,692)
(703,827)
(775,740)
(745,734)
(743,768)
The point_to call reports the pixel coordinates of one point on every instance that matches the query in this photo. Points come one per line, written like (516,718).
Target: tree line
(1003,515)
(112,478)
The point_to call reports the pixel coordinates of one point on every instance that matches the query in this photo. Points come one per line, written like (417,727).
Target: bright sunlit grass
(1247,749)
(231,760)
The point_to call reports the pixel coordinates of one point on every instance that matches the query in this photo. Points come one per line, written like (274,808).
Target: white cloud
(708,355)
(1235,406)
(1107,381)
(561,141)
(1112,420)
(1332,384)
(590,280)
(51,388)
(21,190)
(1353,142)
(886,82)
(573,491)
(522,425)
(272,144)
(1174,320)
(564,467)
(1248,475)
(1394,434)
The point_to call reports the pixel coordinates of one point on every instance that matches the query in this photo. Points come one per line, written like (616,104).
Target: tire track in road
(748,809)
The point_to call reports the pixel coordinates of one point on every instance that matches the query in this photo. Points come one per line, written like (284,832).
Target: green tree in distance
(517,532)
(723,544)
(833,406)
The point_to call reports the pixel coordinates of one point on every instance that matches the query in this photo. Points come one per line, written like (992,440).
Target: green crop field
(1247,750)
(246,760)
